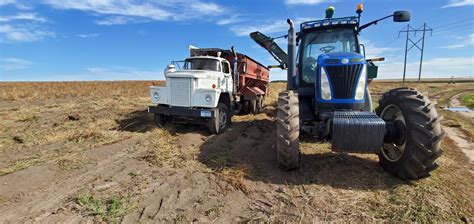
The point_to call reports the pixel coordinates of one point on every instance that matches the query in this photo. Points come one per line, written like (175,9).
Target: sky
(64,40)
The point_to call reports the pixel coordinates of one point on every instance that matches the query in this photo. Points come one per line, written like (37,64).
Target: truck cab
(198,84)
(209,87)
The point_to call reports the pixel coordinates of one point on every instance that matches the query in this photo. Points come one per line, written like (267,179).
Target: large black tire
(288,130)
(417,145)
(256,105)
(160,120)
(253,106)
(245,107)
(219,123)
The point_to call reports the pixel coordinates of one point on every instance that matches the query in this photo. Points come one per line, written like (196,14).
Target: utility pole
(415,44)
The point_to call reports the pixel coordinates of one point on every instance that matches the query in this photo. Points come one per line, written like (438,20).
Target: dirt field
(82,152)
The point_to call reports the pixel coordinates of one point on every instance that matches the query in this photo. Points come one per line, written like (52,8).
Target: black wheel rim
(394,151)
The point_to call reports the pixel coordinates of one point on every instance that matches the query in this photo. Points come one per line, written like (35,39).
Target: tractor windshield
(202,64)
(324,42)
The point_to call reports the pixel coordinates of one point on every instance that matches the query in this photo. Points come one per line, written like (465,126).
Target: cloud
(458,3)
(306,2)
(9,64)
(465,42)
(129,11)
(88,35)
(16,4)
(119,20)
(22,33)
(22,27)
(233,19)
(23,16)
(266,27)
(433,68)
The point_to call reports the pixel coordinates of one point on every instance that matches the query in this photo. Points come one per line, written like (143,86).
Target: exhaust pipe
(291,75)
(235,72)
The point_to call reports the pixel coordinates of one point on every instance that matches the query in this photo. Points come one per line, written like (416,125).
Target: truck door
(227,76)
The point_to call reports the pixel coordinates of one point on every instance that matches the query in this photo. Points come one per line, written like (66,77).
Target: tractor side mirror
(401,16)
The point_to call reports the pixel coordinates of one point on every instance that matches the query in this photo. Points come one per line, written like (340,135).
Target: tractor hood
(341,58)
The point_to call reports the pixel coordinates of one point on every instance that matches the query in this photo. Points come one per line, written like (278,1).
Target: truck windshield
(324,42)
(202,64)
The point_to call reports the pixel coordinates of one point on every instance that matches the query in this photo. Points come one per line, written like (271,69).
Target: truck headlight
(325,86)
(208,98)
(156,95)
(361,84)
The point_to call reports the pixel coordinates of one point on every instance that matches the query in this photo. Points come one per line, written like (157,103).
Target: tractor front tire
(288,130)
(413,151)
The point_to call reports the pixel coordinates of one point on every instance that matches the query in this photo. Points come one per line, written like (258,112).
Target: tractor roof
(351,21)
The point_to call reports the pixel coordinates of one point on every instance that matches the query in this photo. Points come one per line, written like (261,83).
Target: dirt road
(110,163)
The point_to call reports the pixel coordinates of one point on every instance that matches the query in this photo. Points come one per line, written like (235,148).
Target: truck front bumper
(182,112)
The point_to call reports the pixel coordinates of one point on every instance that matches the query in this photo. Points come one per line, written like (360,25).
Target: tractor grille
(343,80)
(180,92)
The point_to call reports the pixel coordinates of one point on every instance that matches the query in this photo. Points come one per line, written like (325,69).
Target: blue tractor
(327,96)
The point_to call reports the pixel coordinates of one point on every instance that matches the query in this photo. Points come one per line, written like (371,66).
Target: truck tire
(253,106)
(160,120)
(245,107)
(221,120)
(288,130)
(413,152)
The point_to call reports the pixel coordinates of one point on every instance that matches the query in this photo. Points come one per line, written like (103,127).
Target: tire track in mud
(36,192)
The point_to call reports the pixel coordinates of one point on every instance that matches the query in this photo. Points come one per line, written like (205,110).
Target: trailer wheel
(413,143)
(245,107)
(221,120)
(288,130)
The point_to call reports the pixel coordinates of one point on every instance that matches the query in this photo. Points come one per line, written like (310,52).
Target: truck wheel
(245,107)
(221,119)
(253,106)
(160,120)
(288,130)
(414,145)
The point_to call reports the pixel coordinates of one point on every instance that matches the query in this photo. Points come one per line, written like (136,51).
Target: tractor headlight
(361,84)
(325,87)
(208,98)
(156,95)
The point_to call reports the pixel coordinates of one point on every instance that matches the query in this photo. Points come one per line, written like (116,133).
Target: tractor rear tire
(288,130)
(414,151)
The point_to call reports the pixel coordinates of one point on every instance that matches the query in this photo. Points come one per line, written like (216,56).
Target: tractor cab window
(323,42)
(202,64)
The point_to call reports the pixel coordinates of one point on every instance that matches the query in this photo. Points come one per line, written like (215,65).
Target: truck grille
(180,92)
(343,80)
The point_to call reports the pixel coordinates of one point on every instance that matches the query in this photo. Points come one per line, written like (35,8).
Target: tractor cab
(331,70)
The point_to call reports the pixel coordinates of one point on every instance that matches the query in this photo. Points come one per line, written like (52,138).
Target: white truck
(212,86)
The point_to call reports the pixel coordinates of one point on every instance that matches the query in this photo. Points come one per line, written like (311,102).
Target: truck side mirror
(401,16)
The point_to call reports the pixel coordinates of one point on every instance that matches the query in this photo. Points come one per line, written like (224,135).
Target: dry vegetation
(108,162)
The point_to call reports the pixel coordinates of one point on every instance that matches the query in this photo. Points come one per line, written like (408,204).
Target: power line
(453,23)
(454,27)
(409,30)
